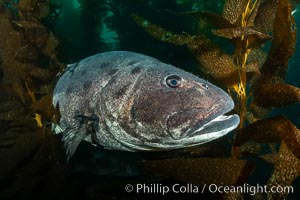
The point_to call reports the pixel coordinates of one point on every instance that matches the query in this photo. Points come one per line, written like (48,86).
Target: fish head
(174,109)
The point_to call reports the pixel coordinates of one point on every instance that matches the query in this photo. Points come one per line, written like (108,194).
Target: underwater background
(235,44)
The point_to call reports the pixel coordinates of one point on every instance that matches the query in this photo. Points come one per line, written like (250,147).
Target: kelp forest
(242,46)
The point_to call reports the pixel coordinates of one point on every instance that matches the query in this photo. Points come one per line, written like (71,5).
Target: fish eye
(173,81)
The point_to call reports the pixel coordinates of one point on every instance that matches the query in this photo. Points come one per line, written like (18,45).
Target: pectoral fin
(72,136)
(79,129)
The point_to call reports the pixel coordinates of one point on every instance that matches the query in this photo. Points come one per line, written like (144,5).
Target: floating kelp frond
(276,95)
(233,10)
(243,29)
(16,44)
(34,8)
(287,168)
(283,45)
(214,61)
(271,130)
(254,37)
(291,136)
(168,36)
(257,55)
(264,131)
(265,16)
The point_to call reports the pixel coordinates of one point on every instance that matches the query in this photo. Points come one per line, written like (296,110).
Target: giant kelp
(252,75)
(31,158)
(29,154)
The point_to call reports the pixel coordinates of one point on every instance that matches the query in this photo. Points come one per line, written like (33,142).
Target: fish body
(128,101)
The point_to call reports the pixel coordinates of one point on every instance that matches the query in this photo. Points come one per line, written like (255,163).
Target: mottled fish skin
(135,108)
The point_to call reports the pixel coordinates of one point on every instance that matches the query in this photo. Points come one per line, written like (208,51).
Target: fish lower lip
(218,126)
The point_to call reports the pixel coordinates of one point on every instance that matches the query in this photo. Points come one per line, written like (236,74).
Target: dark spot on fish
(69,90)
(83,72)
(132,112)
(136,70)
(87,85)
(122,90)
(113,80)
(112,72)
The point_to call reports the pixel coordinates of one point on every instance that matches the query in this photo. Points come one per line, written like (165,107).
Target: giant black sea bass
(132,102)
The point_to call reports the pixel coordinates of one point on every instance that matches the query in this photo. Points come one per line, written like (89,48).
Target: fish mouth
(199,134)
(215,128)
(197,126)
